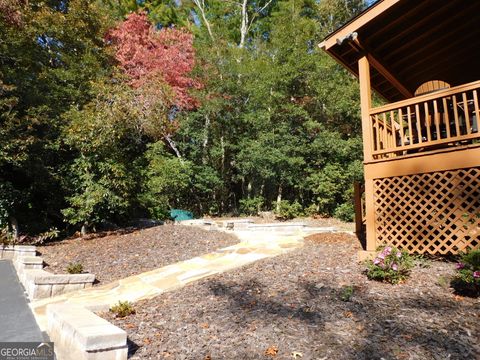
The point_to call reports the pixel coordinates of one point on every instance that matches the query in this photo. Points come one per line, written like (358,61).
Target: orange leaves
(271,351)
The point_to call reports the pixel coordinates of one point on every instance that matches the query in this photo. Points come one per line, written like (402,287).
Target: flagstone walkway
(253,247)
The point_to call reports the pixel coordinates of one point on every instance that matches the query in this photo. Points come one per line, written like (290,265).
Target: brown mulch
(296,306)
(116,256)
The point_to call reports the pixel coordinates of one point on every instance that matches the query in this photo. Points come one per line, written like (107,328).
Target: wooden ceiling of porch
(413,42)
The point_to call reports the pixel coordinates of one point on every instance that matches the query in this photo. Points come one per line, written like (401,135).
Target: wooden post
(357,196)
(370,216)
(366,104)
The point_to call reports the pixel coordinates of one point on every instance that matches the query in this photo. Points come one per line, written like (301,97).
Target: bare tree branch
(201,6)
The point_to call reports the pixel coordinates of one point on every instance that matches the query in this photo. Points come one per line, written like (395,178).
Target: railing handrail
(423,98)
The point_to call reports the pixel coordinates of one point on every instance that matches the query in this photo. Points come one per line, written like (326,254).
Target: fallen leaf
(458,298)
(271,351)
(296,354)
(348,314)
(147,341)
(129,326)
(205,325)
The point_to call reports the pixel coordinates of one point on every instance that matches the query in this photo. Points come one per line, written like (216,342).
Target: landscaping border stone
(79,334)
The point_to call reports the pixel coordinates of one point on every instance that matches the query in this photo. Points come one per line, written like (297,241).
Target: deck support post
(366,105)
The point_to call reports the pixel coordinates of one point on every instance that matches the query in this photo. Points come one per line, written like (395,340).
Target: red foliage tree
(145,53)
(10,11)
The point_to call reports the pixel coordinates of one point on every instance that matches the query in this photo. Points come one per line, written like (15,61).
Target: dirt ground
(118,255)
(312,303)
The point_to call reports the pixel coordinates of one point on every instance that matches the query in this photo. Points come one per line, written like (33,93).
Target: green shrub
(390,265)
(345,212)
(287,210)
(122,309)
(75,268)
(311,210)
(347,293)
(467,278)
(251,206)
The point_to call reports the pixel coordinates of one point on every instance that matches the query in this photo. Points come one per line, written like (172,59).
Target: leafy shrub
(390,265)
(347,293)
(345,212)
(251,206)
(286,210)
(75,268)
(467,278)
(122,309)
(51,234)
(167,178)
(311,210)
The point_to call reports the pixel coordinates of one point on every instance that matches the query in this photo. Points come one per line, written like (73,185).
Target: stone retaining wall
(79,334)
(10,252)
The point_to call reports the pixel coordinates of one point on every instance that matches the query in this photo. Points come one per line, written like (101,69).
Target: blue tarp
(180,215)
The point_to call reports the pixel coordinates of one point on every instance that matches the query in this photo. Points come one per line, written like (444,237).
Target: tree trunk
(244,25)
(201,6)
(249,190)
(173,146)
(205,139)
(15,228)
(279,197)
(84,229)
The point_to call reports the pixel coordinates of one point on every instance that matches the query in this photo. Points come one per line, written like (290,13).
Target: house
(421,146)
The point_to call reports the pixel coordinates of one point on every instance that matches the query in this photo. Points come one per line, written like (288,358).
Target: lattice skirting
(434,213)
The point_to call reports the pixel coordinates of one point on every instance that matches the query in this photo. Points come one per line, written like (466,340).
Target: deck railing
(442,119)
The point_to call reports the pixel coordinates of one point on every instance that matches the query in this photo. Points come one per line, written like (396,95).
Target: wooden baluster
(377,133)
(467,115)
(400,121)
(455,115)
(410,129)
(394,130)
(419,125)
(446,117)
(386,144)
(372,133)
(427,121)
(477,112)
(436,119)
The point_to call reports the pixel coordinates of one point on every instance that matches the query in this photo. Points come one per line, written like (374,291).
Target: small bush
(345,212)
(251,206)
(75,268)
(311,210)
(287,210)
(347,293)
(390,265)
(467,278)
(122,309)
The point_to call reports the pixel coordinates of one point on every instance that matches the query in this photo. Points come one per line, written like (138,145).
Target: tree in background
(111,110)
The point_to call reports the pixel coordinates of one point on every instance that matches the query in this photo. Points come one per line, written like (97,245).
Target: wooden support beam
(366,105)
(386,73)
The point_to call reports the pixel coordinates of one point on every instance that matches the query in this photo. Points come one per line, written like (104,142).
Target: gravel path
(116,256)
(297,306)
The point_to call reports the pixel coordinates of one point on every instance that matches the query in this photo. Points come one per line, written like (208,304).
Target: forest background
(113,110)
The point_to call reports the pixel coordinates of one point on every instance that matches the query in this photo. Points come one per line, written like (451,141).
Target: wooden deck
(447,118)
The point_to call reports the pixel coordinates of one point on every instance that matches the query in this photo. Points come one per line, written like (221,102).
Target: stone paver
(16,319)
(253,247)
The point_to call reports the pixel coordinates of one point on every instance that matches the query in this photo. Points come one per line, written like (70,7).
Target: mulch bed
(297,305)
(116,256)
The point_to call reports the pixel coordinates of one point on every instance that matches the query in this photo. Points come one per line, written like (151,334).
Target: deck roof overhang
(409,42)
